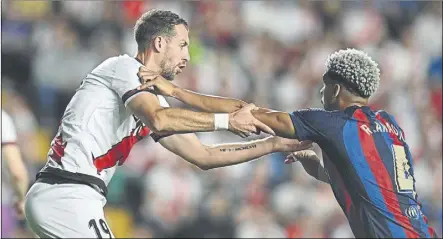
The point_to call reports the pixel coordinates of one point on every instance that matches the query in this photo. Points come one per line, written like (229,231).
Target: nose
(187,56)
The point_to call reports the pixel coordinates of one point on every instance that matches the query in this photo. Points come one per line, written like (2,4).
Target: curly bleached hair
(356,70)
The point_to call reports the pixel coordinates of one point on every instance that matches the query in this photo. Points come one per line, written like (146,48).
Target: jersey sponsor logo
(120,151)
(412,212)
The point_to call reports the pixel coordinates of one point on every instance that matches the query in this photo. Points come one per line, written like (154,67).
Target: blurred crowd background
(271,53)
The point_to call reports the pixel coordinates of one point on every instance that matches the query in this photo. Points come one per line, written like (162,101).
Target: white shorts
(66,211)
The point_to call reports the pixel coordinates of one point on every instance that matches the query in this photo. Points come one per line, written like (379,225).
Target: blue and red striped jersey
(370,170)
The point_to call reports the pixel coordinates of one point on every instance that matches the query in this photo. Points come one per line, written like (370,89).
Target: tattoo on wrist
(239,148)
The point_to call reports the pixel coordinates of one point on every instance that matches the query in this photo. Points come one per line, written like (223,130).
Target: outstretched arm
(279,122)
(165,120)
(146,107)
(189,147)
(169,120)
(206,103)
(302,124)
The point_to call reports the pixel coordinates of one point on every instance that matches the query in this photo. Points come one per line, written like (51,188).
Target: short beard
(166,73)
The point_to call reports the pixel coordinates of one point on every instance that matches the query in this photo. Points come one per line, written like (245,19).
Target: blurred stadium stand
(271,53)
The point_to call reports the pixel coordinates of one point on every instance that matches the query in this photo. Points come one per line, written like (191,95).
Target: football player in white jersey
(109,114)
(15,166)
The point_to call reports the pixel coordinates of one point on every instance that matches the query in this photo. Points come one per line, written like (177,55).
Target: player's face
(177,53)
(328,98)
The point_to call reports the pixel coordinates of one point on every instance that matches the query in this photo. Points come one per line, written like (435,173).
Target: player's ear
(159,44)
(336,91)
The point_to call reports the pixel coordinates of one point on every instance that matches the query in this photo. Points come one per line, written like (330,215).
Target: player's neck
(346,100)
(148,61)
(344,105)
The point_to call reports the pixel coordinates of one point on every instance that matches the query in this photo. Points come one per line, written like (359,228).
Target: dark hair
(156,23)
(356,70)
(343,82)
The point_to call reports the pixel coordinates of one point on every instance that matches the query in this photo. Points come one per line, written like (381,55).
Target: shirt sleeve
(9,134)
(125,80)
(315,124)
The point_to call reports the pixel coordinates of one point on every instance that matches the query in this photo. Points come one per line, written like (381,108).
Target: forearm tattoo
(239,148)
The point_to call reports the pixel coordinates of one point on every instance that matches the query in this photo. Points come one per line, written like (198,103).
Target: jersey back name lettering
(370,168)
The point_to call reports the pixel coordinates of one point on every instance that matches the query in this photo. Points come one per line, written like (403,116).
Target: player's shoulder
(117,65)
(6,120)
(8,128)
(383,113)
(320,111)
(125,60)
(4,114)
(320,117)
(313,109)
(386,116)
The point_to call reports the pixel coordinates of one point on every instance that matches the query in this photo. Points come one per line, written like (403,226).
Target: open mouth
(180,68)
